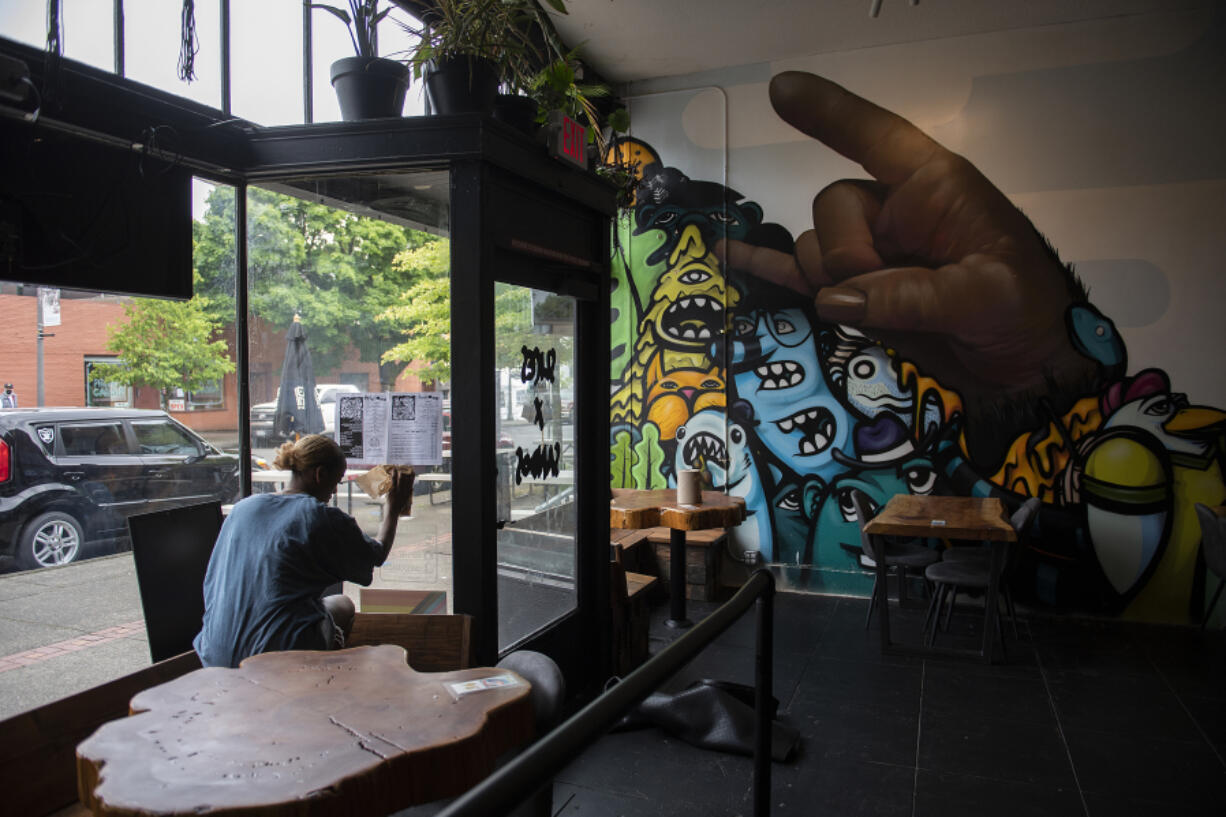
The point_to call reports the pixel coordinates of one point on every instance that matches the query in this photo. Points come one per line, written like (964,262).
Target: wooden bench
(631,613)
(38,769)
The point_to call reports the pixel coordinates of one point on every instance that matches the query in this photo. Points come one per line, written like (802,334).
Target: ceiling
(627,40)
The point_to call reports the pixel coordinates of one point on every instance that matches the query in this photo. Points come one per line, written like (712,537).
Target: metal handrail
(511,784)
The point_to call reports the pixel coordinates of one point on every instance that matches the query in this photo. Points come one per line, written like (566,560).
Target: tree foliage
(168,345)
(332,268)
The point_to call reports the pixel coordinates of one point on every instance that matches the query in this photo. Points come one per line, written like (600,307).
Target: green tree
(422,315)
(621,460)
(332,268)
(168,345)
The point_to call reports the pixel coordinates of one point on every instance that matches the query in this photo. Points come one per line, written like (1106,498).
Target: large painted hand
(930,257)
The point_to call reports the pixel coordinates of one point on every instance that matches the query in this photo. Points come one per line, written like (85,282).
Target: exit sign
(568,139)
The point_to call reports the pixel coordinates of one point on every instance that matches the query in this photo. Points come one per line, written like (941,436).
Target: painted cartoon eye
(681,433)
(721,217)
(665,218)
(863,368)
(710,384)
(1160,408)
(668,384)
(784,327)
(694,277)
(920,479)
(845,505)
(744,326)
(790,501)
(736,435)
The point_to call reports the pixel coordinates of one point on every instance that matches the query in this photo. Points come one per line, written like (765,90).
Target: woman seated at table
(277,553)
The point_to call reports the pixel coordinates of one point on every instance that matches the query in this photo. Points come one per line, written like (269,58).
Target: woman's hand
(399,497)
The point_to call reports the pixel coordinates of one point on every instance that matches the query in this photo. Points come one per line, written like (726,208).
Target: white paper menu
(390,428)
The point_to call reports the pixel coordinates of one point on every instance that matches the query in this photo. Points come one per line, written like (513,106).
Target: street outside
(65,629)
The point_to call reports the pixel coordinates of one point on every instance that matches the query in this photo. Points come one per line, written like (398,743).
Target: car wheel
(51,539)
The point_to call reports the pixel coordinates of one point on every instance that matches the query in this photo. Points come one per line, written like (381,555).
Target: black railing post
(764,670)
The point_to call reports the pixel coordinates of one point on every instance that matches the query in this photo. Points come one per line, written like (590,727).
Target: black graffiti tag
(543,462)
(537,365)
(538,418)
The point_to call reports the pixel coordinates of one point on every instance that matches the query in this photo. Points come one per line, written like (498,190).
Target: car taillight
(4,461)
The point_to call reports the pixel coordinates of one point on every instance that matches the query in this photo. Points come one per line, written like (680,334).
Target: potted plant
(556,88)
(467,48)
(367,86)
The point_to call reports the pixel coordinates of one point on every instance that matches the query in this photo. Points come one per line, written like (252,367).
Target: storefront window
(100,392)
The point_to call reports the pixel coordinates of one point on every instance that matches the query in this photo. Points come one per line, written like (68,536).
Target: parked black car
(70,476)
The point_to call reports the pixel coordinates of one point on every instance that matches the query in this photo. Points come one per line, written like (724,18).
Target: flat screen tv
(79,214)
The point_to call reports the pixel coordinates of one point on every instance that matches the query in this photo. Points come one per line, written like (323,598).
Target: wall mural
(736,377)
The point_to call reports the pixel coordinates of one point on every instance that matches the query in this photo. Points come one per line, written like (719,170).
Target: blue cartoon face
(701,444)
(836,537)
(776,369)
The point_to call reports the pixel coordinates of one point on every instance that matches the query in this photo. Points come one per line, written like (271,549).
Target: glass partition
(534,344)
(362,266)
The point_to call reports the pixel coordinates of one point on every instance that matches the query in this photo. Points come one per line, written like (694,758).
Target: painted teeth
(704,332)
(816,426)
(780,375)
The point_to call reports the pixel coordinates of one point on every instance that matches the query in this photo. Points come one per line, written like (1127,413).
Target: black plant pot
(517,111)
(369,87)
(462,85)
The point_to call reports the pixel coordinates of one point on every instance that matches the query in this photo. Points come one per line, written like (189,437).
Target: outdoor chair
(970,568)
(1213,544)
(911,555)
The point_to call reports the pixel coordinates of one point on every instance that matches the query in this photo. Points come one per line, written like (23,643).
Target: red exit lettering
(574,138)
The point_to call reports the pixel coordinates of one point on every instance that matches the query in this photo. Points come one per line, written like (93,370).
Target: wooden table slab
(964,518)
(635,510)
(354,731)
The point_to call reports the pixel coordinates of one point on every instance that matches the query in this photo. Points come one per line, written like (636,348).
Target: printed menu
(390,428)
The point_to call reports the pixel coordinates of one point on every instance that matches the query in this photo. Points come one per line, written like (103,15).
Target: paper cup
(689,487)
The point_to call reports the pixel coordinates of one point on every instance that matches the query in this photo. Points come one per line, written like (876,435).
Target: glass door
(534,342)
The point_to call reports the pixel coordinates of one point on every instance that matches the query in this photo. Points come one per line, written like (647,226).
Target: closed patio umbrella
(297,410)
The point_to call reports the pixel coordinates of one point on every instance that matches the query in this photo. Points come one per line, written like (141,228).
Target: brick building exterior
(82,335)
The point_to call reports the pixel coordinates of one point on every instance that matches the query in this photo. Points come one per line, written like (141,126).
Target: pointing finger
(766,263)
(886,145)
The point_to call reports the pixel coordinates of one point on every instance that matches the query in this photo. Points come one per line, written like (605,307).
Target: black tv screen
(79,214)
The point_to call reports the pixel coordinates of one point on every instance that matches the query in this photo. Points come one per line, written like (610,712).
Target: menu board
(390,428)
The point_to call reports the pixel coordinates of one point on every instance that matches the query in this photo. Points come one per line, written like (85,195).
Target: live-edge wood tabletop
(963,517)
(636,510)
(353,731)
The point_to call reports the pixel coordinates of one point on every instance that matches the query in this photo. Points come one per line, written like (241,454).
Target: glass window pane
(266,71)
(94,438)
(88,32)
(25,22)
(162,437)
(151,48)
(373,298)
(534,345)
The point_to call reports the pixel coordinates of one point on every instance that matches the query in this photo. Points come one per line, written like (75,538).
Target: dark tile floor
(1086,718)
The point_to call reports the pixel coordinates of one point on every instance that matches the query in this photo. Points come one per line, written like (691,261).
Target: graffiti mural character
(775,368)
(720,447)
(684,318)
(886,462)
(868,377)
